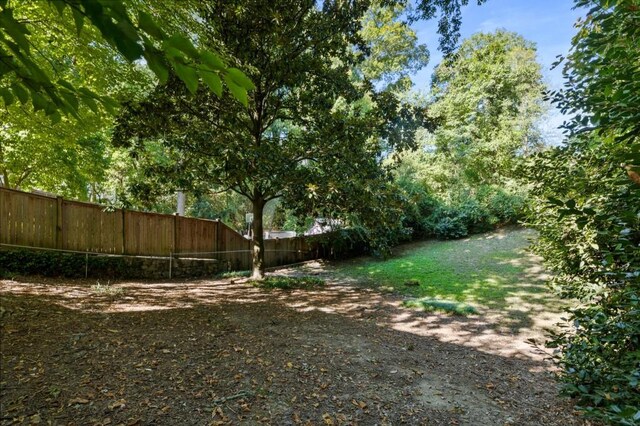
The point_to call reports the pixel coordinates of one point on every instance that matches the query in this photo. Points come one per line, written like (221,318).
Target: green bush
(450,227)
(288,283)
(586,212)
(459,212)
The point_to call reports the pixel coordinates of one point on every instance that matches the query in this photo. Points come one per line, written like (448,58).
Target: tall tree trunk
(257,242)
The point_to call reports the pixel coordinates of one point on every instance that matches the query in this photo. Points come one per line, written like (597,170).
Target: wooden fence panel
(47,222)
(27,219)
(238,256)
(196,236)
(148,234)
(285,251)
(87,227)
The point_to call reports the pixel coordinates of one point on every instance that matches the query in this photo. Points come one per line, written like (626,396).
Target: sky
(547,23)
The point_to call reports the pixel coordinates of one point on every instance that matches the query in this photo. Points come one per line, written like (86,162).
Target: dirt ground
(224,352)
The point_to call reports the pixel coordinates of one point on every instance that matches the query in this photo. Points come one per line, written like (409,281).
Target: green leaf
(147,23)
(55,117)
(50,108)
(14,29)
(91,103)
(110,104)
(71,99)
(66,85)
(78,19)
(213,81)
(7,97)
(188,75)
(39,102)
(212,60)
(59,5)
(238,92)
(240,78)
(182,43)
(174,54)
(20,92)
(157,65)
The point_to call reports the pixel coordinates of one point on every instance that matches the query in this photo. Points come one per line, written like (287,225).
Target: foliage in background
(486,99)
(587,209)
(393,52)
(68,156)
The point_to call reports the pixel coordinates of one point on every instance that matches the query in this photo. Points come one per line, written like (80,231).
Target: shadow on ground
(224,352)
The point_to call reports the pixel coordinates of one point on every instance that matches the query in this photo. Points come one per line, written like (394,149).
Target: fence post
(124,233)
(174,238)
(216,243)
(59,222)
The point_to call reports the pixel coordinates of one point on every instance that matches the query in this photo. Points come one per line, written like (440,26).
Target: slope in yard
(492,273)
(225,352)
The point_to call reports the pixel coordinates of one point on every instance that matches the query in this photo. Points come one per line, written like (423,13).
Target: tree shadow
(173,351)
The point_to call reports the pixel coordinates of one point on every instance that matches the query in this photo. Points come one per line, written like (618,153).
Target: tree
(68,155)
(310,127)
(391,44)
(487,98)
(37,81)
(586,211)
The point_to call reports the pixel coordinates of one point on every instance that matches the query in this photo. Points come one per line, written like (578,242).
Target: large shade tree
(311,127)
(487,98)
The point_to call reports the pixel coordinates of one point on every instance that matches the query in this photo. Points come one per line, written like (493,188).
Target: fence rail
(41,221)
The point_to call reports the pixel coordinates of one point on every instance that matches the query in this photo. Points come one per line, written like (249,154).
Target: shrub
(586,212)
(288,283)
(460,212)
(449,228)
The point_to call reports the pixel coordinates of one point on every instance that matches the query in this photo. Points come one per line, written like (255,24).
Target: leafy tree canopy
(487,98)
(311,132)
(131,31)
(392,50)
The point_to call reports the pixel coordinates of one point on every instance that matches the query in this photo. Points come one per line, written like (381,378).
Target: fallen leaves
(78,401)
(121,403)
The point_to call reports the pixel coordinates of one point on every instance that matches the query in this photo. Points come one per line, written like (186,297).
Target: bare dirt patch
(224,352)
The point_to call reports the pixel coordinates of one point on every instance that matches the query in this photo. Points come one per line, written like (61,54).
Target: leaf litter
(222,352)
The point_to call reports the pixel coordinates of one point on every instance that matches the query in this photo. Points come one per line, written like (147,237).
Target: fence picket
(41,221)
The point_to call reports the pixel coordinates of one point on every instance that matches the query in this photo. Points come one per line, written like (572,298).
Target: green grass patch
(490,270)
(288,283)
(448,306)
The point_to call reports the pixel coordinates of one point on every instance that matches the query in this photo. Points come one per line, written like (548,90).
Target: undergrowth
(288,283)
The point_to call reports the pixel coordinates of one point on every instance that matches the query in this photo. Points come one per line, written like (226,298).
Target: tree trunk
(257,242)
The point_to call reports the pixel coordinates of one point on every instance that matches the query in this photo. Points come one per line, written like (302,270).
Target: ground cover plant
(288,283)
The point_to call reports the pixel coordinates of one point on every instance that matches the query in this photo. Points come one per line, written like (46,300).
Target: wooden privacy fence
(41,221)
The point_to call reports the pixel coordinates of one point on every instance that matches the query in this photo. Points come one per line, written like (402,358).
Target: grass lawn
(487,271)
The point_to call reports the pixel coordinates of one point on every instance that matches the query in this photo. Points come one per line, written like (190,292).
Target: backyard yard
(351,351)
